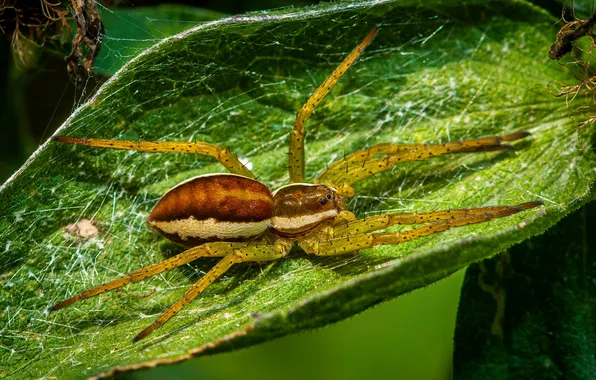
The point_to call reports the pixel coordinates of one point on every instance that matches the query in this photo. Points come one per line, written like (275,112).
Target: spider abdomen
(213,207)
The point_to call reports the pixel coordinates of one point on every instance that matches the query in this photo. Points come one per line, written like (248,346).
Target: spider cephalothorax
(236,217)
(301,207)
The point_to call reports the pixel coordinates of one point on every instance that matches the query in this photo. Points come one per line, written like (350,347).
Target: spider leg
(218,249)
(237,253)
(296,154)
(362,164)
(382,221)
(347,242)
(224,156)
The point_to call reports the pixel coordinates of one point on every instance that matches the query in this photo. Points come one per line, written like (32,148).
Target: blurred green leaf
(438,72)
(129,31)
(529,313)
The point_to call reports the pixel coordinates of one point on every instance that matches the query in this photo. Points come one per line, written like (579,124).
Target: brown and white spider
(238,218)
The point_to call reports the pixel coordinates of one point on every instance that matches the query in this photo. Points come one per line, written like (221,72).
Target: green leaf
(529,312)
(129,31)
(434,73)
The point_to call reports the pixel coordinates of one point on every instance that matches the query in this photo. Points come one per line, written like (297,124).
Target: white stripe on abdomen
(210,228)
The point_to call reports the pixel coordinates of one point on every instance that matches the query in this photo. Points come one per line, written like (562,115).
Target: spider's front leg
(378,158)
(356,235)
(296,154)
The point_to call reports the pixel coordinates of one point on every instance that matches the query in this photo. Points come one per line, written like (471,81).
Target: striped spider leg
(224,156)
(342,237)
(296,154)
(232,253)
(364,163)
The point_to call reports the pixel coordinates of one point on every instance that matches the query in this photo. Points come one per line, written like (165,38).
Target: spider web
(431,75)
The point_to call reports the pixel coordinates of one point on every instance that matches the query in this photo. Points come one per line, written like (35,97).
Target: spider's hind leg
(224,156)
(236,253)
(205,250)
(378,158)
(232,253)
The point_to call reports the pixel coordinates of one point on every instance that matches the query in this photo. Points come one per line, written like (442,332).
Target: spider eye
(329,196)
(324,201)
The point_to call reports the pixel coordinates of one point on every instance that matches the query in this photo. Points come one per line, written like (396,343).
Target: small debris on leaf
(84,228)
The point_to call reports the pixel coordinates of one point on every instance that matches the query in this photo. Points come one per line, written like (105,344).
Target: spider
(236,217)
